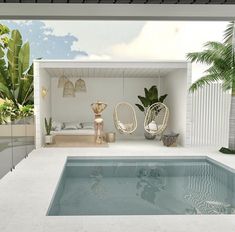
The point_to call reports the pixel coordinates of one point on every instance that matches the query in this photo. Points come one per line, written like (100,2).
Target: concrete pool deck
(25,194)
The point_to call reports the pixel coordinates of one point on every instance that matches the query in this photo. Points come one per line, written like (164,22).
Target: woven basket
(170,139)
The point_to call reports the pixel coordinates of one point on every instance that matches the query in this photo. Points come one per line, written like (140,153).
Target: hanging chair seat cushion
(126,127)
(152,127)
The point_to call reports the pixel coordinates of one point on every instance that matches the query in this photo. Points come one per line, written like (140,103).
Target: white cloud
(94,57)
(95,37)
(21,22)
(168,40)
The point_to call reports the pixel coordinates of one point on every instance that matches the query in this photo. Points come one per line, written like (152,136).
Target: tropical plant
(219,56)
(4,31)
(26,111)
(8,112)
(16,72)
(48,126)
(151,97)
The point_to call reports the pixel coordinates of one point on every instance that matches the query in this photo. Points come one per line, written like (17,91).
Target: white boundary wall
(210,116)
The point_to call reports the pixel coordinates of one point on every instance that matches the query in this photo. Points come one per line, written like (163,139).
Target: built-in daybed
(72,132)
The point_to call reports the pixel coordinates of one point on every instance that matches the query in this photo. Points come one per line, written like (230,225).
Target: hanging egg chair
(124,117)
(156,118)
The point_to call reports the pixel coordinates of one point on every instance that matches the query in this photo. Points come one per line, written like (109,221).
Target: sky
(118,40)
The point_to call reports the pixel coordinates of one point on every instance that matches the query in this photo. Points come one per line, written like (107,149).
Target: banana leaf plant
(16,72)
(151,97)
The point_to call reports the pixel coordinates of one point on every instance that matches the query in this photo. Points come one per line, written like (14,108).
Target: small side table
(110,137)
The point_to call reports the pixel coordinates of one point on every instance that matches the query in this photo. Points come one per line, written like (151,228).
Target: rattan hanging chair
(156,118)
(124,117)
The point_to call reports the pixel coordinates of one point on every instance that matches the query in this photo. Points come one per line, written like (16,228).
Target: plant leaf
(141,108)
(153,96)
(146,93)
(24,58)
(144,101)
(162,98)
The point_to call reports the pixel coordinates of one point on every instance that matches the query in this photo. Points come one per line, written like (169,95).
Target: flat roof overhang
(117,11)
(108,69)
(112,64)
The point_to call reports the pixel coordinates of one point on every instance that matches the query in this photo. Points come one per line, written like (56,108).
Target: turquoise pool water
(130,186)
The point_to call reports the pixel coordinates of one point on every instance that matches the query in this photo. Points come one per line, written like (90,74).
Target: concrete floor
(25,194)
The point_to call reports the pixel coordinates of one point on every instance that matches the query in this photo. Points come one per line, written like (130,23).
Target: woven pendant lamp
(69,90)
(62,80)
(80,85)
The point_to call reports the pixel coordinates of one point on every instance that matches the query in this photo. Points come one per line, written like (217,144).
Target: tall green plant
(151,97)
(16,72)
(48,126)
(219,56)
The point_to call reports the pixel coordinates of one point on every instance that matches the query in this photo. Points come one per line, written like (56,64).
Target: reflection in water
(97,186)
(206,190)
(148,188)
(150,181)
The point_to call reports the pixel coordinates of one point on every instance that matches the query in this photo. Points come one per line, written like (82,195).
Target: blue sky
(43,43)
(118,40)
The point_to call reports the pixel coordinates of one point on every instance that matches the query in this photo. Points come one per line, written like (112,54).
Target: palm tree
(220,58)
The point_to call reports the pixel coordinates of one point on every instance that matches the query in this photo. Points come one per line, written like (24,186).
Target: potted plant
(151,97)
(48,136)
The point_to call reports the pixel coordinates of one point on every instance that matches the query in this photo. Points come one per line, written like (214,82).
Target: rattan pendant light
(69,90)
(62,80)
(80,85)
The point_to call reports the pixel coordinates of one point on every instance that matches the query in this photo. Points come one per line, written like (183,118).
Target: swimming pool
(143,186)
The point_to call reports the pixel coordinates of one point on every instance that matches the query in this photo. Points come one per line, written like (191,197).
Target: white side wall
(210,116)
(42,105)
(175,85)
(109,90)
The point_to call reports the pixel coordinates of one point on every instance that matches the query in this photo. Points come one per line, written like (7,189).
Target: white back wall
(175,85)
(108,90)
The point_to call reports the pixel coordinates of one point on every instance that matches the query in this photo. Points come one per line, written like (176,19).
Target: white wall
(175,85)
(42,105)
(108,90)
(210,116)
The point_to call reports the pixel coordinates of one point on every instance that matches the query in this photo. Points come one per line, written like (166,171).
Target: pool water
(159,186)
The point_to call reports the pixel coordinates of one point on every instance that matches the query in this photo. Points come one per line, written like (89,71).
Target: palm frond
(205,80)
(207,56)
(214,46)
(228,33)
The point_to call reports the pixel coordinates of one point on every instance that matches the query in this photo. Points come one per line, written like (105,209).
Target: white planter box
(48,139)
